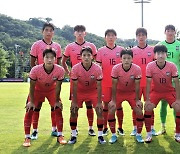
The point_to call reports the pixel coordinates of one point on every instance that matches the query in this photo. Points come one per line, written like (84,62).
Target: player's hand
(30,106)
(99,107)
(74,107)
(148,106)
(139,104)
(112,105)
(59,105)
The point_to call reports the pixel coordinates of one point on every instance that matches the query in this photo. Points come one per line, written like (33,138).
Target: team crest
(54,78)
(168,73)
(149,53)
(177,48)
(132,77)
(117,54)
(92,76)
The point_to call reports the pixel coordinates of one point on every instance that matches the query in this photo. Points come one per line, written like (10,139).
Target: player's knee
(112,110)
(138,111)
(149,107)
(176,107)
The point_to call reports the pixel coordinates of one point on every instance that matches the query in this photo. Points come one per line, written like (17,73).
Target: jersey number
(112,61)
(86,83)
(78,56)
(143,60)
(162,80)
(170,55)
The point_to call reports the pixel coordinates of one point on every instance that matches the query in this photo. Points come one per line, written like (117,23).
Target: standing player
(125,87)
(142,55)
(43,85)
(107,57)
(86,78)
(37,58)
(173,55)
(161,72)
(72,52)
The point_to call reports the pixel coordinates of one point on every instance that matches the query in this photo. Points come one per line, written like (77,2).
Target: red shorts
(155,97)
(40,97)
(106,94)
(143,92)
(125,96)
(89,96)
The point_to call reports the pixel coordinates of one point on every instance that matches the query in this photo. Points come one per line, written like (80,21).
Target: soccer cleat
(153,132)
(72,140)
(139,139)
(134,132)
(27,142)
(121,131)
(177,138)
(148,139)
(54,133)
(105,131)
(113,139)
(101,140)
(162,132)
(91,132)
(34,135)
(61,140)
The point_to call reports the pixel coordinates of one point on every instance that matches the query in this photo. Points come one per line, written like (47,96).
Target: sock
(73,123)
(147,118)
(100,124)
(35,118)
(53,117)
(120,115)
(112,122)
(53,129)
(59,133)
(100,133)
(177,122)
(105,115)
(90,115)
(35,130)
(27,136)
(27,121)
(152,120)
(134,117)
(74,133)
(139,122)
(59,119)
(90,127)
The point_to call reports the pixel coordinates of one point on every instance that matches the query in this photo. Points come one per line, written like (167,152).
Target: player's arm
(59,61)
(64,65)
(58,91)
(99,90)
(148,87)
(74,105)
(30,104)
(137,92)
(32,61)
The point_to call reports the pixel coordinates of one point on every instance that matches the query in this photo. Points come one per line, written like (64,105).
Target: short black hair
(160,48)
(110,31)
(168,27)
(50,50)
(141,30)
(127,51)
(79,28)
(88,49)
(47,24)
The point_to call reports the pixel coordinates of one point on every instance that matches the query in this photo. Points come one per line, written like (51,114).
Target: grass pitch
(12,103)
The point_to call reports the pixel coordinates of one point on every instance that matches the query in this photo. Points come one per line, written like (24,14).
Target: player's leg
(90,116)
(53,120)
(120,116)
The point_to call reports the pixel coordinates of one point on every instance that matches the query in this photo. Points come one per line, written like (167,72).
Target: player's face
(110,38)
(141,38)
(170,33)
(126,60)
(49,59)
(86,57)
(80,34)
(48,33)
(161,56)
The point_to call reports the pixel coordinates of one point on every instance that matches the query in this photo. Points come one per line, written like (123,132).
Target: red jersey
(108,58)
(86,78)
(141,57)
(126,78)
(46,82)
(73,50)
(162,77)
(38,48)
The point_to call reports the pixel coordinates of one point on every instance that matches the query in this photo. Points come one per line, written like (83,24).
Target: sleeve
(174,71)
(114,73)
(59,52)
(61,74)
(33,51)
(33,74)
(138,73)
(98,57)
(94,50)
(148,71)
(99,74)
(67,51)
(74,75)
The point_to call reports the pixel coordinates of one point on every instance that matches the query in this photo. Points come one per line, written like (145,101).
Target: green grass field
(12,103)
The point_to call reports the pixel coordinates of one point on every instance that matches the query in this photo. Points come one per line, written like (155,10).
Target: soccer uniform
(141,57)
(87,87)
(38,48)
(108,57)
(45,88)
(162,81)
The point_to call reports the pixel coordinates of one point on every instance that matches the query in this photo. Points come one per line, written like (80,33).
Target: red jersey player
(72,52)
(107,57)
(142,55)
(37,58)
(43,85)
(86,77)
(125,87)
(161,73)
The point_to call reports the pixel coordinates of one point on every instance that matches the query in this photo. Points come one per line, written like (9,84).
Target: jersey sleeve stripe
(74,79)
(114,77)
(98,61)
(65,56)
(137,78)
(60,80)
(175,76)
(149,76)
(33,79)
(99,79)
(33,56)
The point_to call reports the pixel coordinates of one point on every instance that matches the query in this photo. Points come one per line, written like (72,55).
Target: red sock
(120,115)
(73,123)
(53,118)
(105,115)
(35,118)
(152,119)
(139,122)
(177,122)
(147,119)
(90,115)
(27,121)
(112,122)
(134,118)
(59,119)
(100,122)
